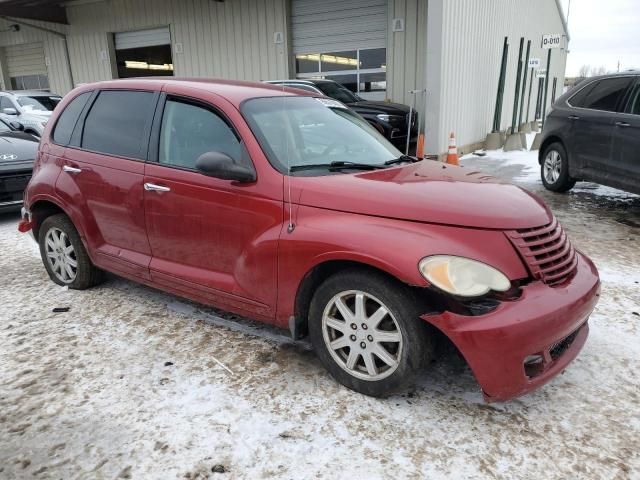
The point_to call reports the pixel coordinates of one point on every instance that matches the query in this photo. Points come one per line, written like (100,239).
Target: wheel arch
(316,275)
(548,141)
(44,207)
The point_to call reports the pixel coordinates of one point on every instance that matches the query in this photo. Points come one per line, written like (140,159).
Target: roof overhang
(44,10)
(563,18)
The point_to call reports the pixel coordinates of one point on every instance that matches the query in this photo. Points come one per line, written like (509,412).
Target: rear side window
(117,122)
(606,94)
(189,130)
(5,103)
(633,105)
(68,119)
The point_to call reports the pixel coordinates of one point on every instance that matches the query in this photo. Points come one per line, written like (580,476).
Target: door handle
(622,124)
(573,117)
(70,169)
(152,187)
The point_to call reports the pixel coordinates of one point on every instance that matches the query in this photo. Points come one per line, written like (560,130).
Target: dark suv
(593,133)
(388,118)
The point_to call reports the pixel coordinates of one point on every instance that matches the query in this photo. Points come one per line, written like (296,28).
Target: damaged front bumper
(522,344)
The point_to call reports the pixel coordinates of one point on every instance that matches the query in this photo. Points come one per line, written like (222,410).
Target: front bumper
(546,322)
(12,185)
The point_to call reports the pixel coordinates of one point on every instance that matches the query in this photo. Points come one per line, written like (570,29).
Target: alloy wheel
(61,255)
(552,166)
(362,335)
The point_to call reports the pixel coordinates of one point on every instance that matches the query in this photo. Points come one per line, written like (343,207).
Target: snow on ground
(136,383)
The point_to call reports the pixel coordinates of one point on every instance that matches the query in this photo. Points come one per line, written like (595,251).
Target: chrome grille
(547,252)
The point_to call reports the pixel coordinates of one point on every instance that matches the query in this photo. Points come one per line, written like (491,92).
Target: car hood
(380,107)
(427,191)
(17,147)
(37,114)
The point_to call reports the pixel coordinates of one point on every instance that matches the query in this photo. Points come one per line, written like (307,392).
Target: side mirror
(17,126)
(220,165)
(9,111)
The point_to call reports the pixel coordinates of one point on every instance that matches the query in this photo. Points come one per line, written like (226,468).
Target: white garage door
(26,66)
(344,41)
(338,25)
(143,38)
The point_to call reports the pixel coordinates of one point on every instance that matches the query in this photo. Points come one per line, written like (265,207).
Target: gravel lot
(135,383)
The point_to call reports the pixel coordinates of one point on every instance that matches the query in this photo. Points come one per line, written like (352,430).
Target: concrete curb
(537,141)
(514,142)
(493,141)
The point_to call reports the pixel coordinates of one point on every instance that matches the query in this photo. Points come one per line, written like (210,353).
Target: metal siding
(472,34)
(54,50)
(406,51)
(338,25)
(232,40)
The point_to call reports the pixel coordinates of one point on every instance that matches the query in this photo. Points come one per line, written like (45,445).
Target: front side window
(605,95)
(39,103)
(304,131)
(4,127)
(116,123)
(190,130)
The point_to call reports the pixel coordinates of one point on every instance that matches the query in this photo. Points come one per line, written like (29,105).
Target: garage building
(380,49)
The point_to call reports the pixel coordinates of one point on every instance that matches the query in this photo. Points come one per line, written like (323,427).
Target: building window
(30,82)
(362,71)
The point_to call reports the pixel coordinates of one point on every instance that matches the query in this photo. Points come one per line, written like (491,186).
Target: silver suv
(30,108)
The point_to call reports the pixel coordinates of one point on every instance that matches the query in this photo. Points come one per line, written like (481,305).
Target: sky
(603,33)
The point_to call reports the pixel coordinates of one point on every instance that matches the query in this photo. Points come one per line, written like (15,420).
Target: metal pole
(518,78)
(411,109)
(497,114)
(524,81)
(546,88)
(529,101)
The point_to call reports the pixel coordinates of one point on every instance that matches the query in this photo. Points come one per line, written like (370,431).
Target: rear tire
(365,329)
(554,170)
(64,256)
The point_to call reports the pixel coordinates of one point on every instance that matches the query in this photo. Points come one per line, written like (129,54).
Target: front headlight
(385,117)
(462,276)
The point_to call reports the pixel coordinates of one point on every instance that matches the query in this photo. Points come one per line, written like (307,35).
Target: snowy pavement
(135,383)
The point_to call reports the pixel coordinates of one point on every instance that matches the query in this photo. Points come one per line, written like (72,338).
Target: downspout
(63,36)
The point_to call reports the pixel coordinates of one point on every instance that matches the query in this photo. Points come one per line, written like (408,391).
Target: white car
(31,108)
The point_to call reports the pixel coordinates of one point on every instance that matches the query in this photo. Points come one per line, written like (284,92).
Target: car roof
(235,91)
(304,81)
(30,93)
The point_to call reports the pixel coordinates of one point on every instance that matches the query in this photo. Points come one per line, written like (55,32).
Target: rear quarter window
(68,119)
(604,95)
(116,124)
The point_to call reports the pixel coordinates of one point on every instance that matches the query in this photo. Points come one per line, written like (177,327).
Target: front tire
(554,170)
(366,331)
(64,256)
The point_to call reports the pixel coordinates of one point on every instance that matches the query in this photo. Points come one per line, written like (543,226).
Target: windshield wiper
(402,159)
(337,165)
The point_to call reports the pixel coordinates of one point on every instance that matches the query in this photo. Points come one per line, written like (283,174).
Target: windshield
(299,131)
(4,127)
(39,103)
(337,91)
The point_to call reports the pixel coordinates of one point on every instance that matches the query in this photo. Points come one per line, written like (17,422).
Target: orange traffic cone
(452,154)
(420,147)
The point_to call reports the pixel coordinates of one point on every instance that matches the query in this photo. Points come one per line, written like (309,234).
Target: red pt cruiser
(289,208)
